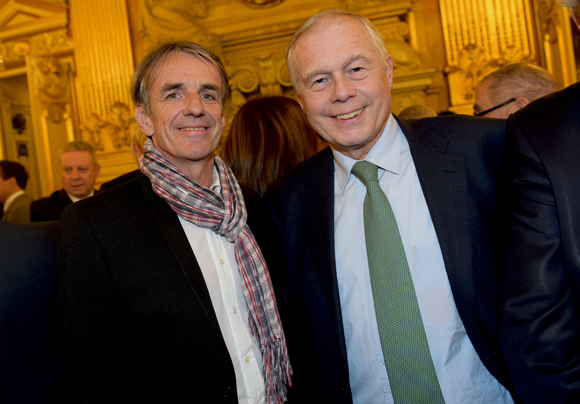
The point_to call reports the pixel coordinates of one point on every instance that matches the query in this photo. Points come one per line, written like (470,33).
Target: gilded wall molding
(161,21)
(481,36)
(50,77)
(111,132)
(261,3)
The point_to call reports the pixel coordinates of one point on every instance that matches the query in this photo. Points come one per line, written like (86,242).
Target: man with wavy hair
(164,295)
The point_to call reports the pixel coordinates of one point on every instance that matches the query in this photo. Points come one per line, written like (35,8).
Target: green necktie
(408,360)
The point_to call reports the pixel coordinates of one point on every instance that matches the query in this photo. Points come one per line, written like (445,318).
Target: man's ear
(389,68)
(97,170)
(522,102)
(299,98)
(144,120)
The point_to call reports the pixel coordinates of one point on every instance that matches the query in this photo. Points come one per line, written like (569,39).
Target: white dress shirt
(462,376)
(216,258)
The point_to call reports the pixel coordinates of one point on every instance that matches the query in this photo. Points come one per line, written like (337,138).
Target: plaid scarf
(226,215)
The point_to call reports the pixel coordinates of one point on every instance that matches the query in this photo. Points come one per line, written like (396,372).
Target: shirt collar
(11,199)
(386,153)
(76,199)
(216,185)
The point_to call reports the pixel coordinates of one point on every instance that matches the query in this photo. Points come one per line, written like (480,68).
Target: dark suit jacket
(539,287)
(27,263)
(136,322)
(119,180)
(457,161)
(50,208)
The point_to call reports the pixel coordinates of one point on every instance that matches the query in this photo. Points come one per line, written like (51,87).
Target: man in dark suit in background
(163,293)
(27,263)
(439,176)
(539,273)
(79,169)
(15,203)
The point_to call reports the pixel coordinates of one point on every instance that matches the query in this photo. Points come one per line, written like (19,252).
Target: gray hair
(319,19)
(148,68)
(79,145)
(417,112)
(519,80)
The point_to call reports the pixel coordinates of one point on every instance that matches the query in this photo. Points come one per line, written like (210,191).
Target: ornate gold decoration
(474,66)
(162,21)
(3,51)
(549,13)
(261,3)
(55,113)
(480,36)
(114,129)
(51,77)
(405,57)
(47,42)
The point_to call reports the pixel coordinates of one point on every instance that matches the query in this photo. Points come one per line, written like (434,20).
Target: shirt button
(247,359)
(221,261)
(234,310)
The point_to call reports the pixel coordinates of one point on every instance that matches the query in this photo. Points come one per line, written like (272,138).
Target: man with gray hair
(511,88)
(387,237)
(163,292)
(79,170)
(539,271)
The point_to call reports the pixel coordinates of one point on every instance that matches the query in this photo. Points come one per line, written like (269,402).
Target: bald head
(514,85)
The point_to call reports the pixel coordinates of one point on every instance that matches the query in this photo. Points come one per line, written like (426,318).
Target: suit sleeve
(539,331)
(85,315)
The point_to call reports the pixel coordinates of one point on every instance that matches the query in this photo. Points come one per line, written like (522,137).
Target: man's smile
(350,115)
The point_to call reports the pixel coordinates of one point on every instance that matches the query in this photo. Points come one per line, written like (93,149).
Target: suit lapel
(175,236)
(318,207)
(443,178)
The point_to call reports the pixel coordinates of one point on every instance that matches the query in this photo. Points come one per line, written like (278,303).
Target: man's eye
(208,96)
(172,95)
(357,69)
(319,81)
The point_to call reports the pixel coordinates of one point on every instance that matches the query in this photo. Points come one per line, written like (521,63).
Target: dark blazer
(50,208)
(136,322)
(27,264)
(539,287)
(457,161)
(119,180)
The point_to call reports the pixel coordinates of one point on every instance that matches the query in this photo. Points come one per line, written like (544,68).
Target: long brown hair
(267,137)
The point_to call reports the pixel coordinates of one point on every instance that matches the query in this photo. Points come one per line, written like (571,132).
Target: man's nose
(194,105)
(342,89)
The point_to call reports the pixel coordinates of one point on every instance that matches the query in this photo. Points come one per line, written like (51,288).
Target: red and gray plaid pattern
(226,215)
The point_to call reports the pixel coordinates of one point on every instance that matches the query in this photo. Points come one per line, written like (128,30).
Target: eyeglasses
(487,111)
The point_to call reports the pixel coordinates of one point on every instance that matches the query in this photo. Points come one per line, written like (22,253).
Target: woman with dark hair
(267,137)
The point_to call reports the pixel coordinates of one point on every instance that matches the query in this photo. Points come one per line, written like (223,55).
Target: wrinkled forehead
(76,158)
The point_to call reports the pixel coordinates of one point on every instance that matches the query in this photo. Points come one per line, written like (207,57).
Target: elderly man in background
(511,88)
(16,204)
(539,273)
(388,236)
(79,169)
(164,295)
